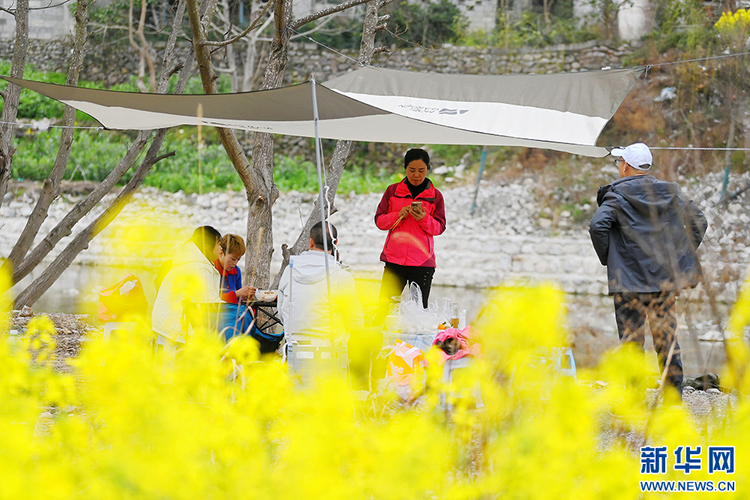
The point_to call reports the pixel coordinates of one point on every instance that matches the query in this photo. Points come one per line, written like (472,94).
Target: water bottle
(13,343)
(454,316)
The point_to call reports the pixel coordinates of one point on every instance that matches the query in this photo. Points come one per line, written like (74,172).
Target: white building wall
(636,21)
(481,14)
(633,22)
(52,23)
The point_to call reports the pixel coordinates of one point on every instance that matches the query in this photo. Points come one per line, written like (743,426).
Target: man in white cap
(646,233)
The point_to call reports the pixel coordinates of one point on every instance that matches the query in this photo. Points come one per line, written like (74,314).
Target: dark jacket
(646,233)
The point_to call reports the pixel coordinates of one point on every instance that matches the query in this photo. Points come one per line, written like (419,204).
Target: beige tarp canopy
(564,112)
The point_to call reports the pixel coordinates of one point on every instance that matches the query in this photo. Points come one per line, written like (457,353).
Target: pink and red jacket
(411,242)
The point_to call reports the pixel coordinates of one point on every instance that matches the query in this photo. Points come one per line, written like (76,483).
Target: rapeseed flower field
(220,422)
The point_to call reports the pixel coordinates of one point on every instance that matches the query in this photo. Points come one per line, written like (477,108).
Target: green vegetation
(94,153)
(429,24)
(530,30)
(35,106)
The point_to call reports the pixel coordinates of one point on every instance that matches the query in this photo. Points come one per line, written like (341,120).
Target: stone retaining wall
(113,65)
(501,241)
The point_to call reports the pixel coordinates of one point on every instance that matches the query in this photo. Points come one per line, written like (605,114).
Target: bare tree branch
(144,44)
(244,33)
(326,12)
(12,12)
(13,92)
(313,30)
(65,226)
(51,187)
(50,6)
(141,49)
(81,241)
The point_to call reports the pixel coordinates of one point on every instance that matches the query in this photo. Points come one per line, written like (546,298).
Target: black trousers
(632,309)
(395,278)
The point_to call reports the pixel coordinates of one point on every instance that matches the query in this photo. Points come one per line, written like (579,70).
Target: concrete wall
(52,23)
(636,21)
(633,21)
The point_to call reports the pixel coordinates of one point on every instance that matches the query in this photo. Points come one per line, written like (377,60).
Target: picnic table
(270,316)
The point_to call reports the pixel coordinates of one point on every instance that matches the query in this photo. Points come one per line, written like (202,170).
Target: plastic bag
(405,372)
(405,360)
(123,301)
(415,319)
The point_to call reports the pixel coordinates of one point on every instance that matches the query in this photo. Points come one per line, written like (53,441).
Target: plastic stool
(117,327)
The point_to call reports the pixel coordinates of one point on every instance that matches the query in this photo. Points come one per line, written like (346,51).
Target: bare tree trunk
(32,293)
(65,226)
(343,148)
(260,189)
(257,188)
(11,95)
(248,69)
(51,187)
(232,69)
(143,49)
(264,194)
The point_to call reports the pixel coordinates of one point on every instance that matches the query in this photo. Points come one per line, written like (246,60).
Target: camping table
(270,311)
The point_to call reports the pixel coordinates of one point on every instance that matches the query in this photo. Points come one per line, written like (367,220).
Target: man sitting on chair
(305,306)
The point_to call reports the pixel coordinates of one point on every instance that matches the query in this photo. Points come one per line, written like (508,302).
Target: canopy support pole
(482,163)
(321,198)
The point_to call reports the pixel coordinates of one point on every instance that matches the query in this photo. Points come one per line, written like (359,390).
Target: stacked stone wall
(113,64)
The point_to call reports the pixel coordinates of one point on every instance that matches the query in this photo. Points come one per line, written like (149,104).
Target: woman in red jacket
(412,211)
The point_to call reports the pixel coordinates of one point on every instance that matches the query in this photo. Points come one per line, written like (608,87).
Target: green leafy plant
(428,25)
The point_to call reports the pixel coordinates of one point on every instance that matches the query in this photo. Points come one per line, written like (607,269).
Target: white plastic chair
(167,348)
(119,329)
(308,357)
(449,367)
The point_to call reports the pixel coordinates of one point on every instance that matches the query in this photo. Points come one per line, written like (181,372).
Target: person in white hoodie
(303,293)
(193,276)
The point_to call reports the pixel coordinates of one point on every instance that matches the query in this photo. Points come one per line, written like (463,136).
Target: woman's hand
(404,212)
(418,212)
(246,292)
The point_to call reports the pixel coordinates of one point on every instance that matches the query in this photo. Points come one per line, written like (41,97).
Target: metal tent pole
(321,198)
(482,163)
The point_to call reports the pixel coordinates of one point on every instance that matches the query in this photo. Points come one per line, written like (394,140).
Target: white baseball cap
(636,155)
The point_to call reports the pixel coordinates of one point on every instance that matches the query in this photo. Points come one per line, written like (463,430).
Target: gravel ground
(72,330)
(705,407)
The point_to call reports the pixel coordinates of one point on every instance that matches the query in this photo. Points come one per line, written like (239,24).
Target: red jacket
(410,243)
